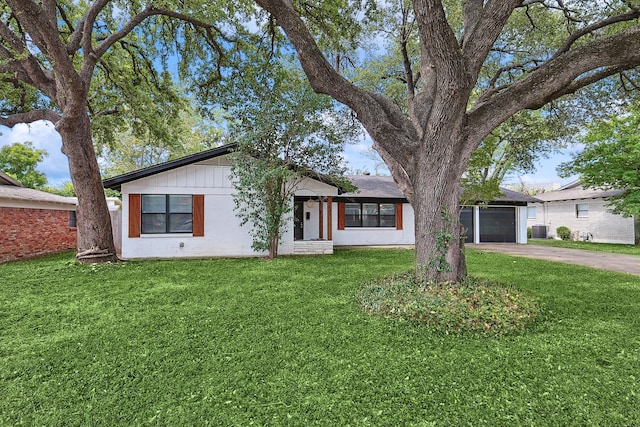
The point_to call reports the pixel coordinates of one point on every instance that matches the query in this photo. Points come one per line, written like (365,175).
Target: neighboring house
(586,214)
(33,222)
(184,208)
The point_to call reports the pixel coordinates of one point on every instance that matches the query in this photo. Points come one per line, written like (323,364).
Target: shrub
(529,232)
(473,305)
(563,232)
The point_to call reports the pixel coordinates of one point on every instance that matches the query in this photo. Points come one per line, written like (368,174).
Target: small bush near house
(563,232)
(529,232)
(474,305)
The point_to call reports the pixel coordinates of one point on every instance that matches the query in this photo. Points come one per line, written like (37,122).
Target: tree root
(96,256)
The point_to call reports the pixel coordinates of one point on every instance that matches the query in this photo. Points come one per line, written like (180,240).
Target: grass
(591,246)
(244,341)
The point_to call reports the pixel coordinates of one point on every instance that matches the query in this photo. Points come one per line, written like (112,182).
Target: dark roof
(7,180)
(384,187)
(509,196)
(116,182)
(371,186)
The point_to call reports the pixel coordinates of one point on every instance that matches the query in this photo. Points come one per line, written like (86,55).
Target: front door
(298,219)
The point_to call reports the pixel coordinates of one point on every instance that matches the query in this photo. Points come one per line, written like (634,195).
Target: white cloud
(43,135)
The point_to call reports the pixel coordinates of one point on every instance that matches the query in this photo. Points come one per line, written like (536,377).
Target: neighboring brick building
(585,212)
(33,222)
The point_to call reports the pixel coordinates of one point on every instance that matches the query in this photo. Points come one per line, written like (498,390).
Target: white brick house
(585,213)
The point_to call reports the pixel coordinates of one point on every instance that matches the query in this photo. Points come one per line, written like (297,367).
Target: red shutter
(329,218)
(341,216)
(134,215)
(398,216)
(198,215)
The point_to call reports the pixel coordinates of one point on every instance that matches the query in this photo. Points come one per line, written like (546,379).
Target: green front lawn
(591,246)
(245,341)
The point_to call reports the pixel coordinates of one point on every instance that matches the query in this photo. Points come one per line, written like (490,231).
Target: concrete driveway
(602,260)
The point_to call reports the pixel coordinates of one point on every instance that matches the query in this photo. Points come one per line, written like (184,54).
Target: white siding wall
(223,234)
(603,225)
(521,227)
(376,236)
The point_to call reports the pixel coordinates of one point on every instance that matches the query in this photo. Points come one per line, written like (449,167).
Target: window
(72,219)
(531,212)
(582,210)
(370,214)
(167,213)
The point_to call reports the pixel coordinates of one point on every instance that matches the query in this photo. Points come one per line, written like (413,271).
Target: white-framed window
(582,210)
(531,212)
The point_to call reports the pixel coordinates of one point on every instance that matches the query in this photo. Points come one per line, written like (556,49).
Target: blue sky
(43,135)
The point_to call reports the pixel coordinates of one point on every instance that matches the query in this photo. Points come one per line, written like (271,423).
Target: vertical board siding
(134,215)
(341,215)
(198,215)
(329,218)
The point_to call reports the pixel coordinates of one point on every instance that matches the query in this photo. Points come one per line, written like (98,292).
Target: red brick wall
(26,233)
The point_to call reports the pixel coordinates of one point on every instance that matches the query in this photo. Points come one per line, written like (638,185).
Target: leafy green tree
(20,160)
(63,189)
(611,160)
(466,67)
(130,151)
(513,148)
(93,69)
(286,132)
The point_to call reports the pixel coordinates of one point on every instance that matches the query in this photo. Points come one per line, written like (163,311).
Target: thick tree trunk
(95,238)
(439,244)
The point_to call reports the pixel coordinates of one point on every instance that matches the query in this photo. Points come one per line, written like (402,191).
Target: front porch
(313,229)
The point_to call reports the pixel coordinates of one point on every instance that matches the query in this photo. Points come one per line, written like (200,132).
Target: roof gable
(116,182)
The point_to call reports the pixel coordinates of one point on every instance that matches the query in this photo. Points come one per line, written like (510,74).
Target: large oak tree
(79,63)
(456,95)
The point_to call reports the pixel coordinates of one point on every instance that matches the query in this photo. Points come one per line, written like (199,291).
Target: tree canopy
(20,160)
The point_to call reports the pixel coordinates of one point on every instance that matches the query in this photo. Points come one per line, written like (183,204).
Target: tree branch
(29,117)
(561,75)
(22,62)
(482,36)
(32,17)
(633,14)
(378,115)
(471,13)
(439,41)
